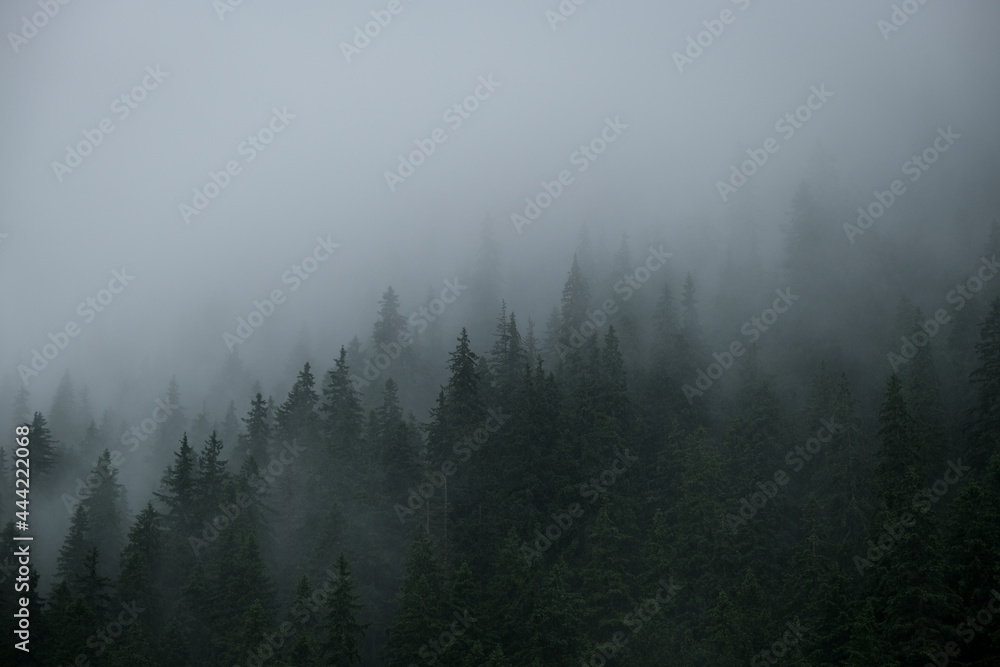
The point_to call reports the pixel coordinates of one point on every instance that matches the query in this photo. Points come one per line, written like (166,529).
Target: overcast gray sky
(224,73)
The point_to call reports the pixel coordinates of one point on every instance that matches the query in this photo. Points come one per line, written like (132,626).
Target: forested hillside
(800,467)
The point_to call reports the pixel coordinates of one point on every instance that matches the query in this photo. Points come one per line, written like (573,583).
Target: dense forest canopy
(635,482)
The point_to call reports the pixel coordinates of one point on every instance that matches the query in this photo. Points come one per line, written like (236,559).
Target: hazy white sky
(324,172)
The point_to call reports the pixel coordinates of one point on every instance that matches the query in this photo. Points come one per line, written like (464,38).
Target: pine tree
(390,323)
(421,611)
(141,567)
(608,574)
(843,482)
(198,612)
(460,405)
(179,496)
(507,357)
(296,418)
(341,407)
(246,638)
(45,457)
(106,513)
(552,630)
(973,561)
(304,650)
(179,490)
(133,649)
(211,478)
(462,391)
(573,314)
(73,554)
(728,642)
(256,441)
(399,443)
(909,578)
(901,456)
(614,390)
(69,621)
(243,591)
(94,589)
(343,631)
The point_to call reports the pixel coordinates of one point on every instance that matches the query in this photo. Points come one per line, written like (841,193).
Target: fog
(324,174)
(296,123)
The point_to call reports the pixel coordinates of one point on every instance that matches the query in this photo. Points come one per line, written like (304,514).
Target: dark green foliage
(422,609)
(496,513)
(44,449)
(341,407)
(297,418)
(343,632)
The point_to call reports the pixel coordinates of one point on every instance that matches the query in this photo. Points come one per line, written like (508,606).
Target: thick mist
(215,193)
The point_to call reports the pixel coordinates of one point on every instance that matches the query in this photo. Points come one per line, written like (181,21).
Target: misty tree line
(602,516)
